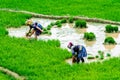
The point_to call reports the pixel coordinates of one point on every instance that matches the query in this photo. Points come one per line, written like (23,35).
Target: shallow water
(69,34)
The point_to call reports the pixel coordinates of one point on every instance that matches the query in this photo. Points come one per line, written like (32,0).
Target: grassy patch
(109,40)
(34,59)
(3,31)
(90,36)
(10,19)
(106,9)
(41,60)
(80,24)
(111,29)
(4,76)
(45,60)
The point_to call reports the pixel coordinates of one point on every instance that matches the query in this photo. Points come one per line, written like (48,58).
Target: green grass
(10,19)
(44,60)
(3,31)
(105,9)
(41,60)
(5,77)
(32,59)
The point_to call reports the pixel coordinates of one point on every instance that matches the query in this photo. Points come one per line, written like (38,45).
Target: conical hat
(28,22)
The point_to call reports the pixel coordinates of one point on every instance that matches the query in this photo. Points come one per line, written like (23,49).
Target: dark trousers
(80,59)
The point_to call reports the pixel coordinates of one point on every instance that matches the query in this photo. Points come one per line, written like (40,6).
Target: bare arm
(39,29)
(28,33)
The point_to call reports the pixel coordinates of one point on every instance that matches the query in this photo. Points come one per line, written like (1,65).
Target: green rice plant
(108,12)
(83,23)
(52,23)
(101,57)
(77,23)
(80,24)
(96,56)
(86,34)
(70,20)
(57,22)
(43,59)
(44,29)
(45,32)
(4,76)
(63,21)
(109,40)
(91,57)
(3,31)
(116,28)
(49,27)
(110,28)
(108,54)
(101,53)
(59,25)
(49,32)
(9,19)
(89,36)
(56,42)
(48,59)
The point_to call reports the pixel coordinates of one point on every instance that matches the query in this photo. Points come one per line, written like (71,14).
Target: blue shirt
(79,50)
(34,26)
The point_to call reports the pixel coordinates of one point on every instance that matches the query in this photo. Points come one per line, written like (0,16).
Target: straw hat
(28,22)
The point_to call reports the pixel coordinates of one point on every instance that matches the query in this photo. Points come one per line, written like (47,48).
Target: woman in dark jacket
(78,52)
(34,28)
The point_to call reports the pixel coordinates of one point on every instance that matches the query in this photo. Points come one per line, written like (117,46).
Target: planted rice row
(38,60)
(105,9)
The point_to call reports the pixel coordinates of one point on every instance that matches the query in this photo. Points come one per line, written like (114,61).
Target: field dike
(62,17)
(11,73)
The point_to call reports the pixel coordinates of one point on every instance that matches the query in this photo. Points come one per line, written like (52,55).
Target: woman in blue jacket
(34,28)
(78,52)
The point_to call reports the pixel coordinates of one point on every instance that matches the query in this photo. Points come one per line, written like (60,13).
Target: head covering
(70,44)
(36,23)
(28,22)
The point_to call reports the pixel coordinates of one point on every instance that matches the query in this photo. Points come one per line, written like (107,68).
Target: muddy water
(68,34)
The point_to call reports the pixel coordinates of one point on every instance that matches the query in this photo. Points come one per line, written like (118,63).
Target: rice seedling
(109,40)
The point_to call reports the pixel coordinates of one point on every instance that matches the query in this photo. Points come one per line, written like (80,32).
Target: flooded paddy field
(69,34)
